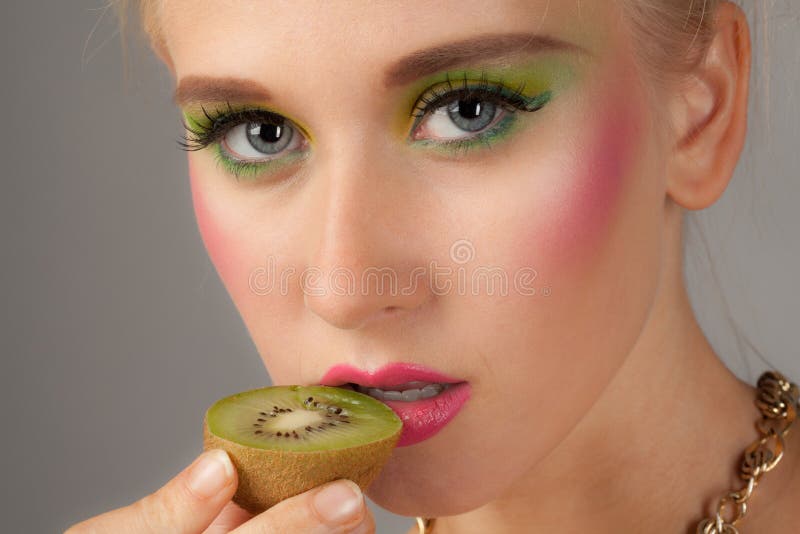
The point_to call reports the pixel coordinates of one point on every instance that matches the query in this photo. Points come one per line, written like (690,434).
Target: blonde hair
(148,14)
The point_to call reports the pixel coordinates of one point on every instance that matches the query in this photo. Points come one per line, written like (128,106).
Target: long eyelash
(219,122)
(482,90)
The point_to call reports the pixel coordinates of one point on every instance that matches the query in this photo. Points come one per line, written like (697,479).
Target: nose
(365,251)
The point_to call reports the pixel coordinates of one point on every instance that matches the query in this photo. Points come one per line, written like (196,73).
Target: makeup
(606,166)
(529,78)
(212,127)
(422,418)
(577,213)
(503,94)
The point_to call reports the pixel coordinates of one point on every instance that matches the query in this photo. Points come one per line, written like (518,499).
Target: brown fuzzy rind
(267,477)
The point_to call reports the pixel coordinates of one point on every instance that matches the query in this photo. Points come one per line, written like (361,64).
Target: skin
(592,407)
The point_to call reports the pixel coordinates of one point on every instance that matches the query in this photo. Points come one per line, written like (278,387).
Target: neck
(656,451)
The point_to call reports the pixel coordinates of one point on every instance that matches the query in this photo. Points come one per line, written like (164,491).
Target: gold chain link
(778,401)
(425,524)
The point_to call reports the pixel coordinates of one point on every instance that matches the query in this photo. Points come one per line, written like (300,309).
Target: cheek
(217,226)
(239,239)
(207,224)
(580,215)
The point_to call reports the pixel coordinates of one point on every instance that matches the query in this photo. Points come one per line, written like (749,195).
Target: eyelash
(483,90)
(202,134)
(220,121)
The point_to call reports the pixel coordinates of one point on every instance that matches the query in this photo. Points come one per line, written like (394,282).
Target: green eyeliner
(252,170)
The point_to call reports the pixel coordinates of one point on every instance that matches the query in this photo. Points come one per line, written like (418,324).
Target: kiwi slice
(284,440)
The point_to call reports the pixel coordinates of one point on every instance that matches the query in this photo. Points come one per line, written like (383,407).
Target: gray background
(116,331)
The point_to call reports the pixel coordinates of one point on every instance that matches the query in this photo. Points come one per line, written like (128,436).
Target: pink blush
(220,246)
(581,214)
(208,231)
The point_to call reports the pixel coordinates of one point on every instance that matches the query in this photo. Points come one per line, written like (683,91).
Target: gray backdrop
(117,333)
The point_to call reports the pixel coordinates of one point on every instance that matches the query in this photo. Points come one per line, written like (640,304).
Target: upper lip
(393,374)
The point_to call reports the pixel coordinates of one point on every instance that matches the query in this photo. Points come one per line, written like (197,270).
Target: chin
(406,486)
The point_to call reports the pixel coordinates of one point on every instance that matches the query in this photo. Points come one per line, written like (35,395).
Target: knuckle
(154,512)
(269,524)
(231,516)
(284,517)
(264,523)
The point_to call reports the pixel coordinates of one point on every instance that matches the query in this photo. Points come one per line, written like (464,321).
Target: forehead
(340,37)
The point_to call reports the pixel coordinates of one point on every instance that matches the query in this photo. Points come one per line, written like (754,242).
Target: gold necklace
(777,400)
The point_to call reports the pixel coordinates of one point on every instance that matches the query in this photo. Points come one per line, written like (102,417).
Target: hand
(198,500)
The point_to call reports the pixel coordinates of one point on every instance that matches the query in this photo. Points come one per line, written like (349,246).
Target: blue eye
(472,115)
(247,143)
(254,141)
(453,120)
(464,114)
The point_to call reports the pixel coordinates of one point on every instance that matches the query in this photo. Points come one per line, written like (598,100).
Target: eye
(460,115)
(451,121)
(246,135)
(258,141)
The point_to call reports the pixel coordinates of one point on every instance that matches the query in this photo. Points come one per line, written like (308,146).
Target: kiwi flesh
(284,440)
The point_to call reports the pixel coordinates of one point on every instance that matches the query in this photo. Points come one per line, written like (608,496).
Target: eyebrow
(197,89)
(480,48)
(209,89)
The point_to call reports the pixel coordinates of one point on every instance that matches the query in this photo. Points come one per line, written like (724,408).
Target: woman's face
(549,221)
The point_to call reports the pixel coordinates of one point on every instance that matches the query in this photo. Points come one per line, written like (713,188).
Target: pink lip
(394,374)
(421,419)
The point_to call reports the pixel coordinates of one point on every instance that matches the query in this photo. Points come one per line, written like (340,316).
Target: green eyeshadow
(535,76)
(503,129)
(254,170)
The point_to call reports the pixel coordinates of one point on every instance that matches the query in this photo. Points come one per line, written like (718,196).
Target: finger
(231,517)
(336,507)
(187,504)
(367,526)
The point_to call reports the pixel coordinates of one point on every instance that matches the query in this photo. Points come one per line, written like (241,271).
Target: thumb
(190,501)
(186,504)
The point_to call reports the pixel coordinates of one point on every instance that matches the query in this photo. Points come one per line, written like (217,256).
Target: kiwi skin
(267,477)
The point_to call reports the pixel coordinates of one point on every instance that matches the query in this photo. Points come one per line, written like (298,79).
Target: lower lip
(423,418)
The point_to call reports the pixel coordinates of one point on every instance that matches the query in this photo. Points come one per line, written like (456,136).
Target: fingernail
(212,472)
(339,502)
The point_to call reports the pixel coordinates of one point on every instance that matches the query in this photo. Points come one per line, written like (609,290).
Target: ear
(710,115)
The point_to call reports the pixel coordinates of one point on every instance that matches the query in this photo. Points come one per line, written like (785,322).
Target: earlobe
(710,115)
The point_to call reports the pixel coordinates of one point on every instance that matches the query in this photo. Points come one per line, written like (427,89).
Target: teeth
(432,389)
(411,395)
(392,395)
(411,385)
(407,395)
